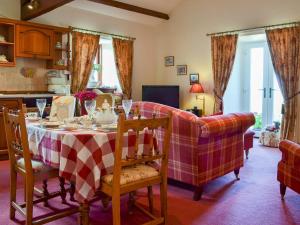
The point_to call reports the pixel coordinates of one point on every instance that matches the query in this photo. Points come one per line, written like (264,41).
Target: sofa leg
(236,173)
(198,193)
(282,190)
(247,153)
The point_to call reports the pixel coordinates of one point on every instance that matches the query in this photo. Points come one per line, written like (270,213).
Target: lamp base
(196,111)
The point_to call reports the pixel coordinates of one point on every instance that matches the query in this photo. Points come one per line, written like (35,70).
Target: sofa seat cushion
(37,166)
(132,174)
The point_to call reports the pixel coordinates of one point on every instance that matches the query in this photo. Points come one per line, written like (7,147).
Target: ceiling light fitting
(33,4)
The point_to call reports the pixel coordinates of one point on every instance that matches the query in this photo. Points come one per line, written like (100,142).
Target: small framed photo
(181,69)
(169,61)
(194,78)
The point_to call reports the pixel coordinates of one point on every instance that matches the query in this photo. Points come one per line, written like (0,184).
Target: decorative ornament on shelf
(83,96)
(2,38)
(3,59)
(28,72)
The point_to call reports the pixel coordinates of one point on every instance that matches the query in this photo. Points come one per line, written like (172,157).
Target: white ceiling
(164,6)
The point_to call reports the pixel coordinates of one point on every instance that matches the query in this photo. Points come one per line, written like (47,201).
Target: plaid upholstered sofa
(202,149)
(288,173)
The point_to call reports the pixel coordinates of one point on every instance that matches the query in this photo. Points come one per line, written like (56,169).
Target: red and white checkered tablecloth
(81,156)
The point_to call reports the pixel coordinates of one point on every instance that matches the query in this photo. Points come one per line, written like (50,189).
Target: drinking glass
(41,104)
(90,106)
(127,106)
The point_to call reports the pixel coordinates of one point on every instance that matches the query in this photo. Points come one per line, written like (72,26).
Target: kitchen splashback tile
(12,79)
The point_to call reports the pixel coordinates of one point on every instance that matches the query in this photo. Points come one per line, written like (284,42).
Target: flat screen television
(163,94)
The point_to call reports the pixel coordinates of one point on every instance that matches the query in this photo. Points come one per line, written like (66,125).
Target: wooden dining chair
(136,171)
(32,170)
(100,99)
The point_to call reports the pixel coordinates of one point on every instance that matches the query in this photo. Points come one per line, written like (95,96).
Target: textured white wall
(184,35)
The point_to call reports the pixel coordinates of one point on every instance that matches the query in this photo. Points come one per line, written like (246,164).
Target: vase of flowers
(83,96)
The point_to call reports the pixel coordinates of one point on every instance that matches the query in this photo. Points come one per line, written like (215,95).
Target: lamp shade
(196,88)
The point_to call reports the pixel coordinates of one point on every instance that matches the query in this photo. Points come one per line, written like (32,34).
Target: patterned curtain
(223,54)
(84,49)
(284,46)
(124,61)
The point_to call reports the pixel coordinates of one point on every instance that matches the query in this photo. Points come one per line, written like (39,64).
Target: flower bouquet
(83,96)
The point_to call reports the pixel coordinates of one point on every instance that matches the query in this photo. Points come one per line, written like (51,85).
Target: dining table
(82,155)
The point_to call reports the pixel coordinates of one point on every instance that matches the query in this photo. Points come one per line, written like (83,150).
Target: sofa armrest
(290,153)
(248,119)
(219,125)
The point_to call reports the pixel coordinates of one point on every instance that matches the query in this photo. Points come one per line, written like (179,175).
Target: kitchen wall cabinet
(14,104)
(7,44)
(34,42)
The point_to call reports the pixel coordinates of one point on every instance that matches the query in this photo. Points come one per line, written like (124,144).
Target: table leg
(84,213)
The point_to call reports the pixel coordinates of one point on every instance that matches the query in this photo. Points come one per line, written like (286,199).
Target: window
(104,72)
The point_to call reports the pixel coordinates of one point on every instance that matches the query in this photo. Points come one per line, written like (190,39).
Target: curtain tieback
(221,99)
(287,100)
(292,97)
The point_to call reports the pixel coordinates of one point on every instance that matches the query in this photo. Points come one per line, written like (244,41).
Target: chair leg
(150,198)
(105,202)
(45,193)
(116,209)
(236,173)
(84,214)
(13,193)
(282,190)
(198,193)
(131,202)
(62,190)
(247,153)
(29,203)
(72,191)
(163,202)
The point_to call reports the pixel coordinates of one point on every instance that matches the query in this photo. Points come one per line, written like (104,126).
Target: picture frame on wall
(181,69)
(194,78)
(169,61)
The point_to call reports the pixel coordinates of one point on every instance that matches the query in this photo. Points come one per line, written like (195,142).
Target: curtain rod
(255,28)
(102,33)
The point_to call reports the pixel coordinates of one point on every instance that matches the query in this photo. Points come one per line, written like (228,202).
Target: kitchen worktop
(45,95)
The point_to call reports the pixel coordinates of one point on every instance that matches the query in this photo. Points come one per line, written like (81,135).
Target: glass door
(263,97)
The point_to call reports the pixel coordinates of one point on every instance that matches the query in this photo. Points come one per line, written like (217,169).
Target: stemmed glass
(41,104)
(90,106)
(127,106)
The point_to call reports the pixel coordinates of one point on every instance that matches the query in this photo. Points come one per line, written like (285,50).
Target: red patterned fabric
(201,148)
(248,139)
(82,156)
(289,167)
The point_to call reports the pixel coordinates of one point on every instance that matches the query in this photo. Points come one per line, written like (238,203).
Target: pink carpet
(254,200)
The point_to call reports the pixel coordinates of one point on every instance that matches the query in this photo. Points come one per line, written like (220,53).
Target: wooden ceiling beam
(44,7)
(133,8)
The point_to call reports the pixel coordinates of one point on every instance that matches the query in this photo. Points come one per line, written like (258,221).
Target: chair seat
(37,166)
(132,174)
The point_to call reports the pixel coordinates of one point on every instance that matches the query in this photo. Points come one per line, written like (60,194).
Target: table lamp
(198,89)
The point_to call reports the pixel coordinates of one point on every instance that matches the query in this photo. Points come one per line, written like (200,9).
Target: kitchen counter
(46,95)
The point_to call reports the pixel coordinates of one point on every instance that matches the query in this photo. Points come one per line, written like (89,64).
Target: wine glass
(127,106)
(41,104)
(90,106)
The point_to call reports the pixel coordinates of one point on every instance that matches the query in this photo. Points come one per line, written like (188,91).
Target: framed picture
(169,61)
(194,78)
(181,69)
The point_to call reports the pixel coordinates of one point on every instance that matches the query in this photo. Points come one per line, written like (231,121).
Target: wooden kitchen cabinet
(34,42)
(14,103)
(7,43)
